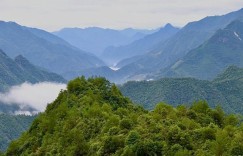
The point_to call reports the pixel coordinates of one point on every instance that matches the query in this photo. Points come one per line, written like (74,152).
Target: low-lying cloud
(36,96)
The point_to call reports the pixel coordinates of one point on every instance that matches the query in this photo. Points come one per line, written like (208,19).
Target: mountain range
(197,69)
(20,70)
(163,53)
(96,40)
(189,37)
(160,54)
(44,49)
(224,48)
(115,54)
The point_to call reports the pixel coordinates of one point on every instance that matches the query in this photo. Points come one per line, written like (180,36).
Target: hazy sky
(55,14)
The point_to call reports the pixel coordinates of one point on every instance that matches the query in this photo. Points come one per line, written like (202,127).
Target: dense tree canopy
(225,90)
(11,127)
(92,117)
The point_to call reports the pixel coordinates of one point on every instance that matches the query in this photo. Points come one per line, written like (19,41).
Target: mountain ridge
(189,37)
(20,70)
(86,38)
(140,46)
(44,49)
(224,48)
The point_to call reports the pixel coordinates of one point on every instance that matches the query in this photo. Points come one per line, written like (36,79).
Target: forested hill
(92,117)
(226,90)
(20,70)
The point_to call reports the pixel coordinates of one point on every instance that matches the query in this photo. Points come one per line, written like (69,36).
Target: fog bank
(36,96)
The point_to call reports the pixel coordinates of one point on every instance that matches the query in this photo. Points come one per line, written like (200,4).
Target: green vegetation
(92,117)
(226,90)
(11,127)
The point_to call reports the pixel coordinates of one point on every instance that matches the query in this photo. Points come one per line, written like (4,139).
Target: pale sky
(55,14)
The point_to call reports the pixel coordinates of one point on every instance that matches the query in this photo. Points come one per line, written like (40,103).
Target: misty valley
(96,91)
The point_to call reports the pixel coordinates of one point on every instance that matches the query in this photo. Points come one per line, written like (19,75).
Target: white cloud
(55,14)
(36,96)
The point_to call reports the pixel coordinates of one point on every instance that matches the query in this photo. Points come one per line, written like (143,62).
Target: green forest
(92,117)
(225,90)
(11,126)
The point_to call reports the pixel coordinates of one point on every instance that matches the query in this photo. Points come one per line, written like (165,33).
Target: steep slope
(226,90)
(20,70)
(93,118)
(12,127)
(44,49)
(221,50)
(102,38)
(138,47)
(230,84)
(188,38)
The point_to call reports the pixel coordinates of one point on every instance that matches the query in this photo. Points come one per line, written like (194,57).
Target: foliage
(92,117)
(11,127)
(225,90)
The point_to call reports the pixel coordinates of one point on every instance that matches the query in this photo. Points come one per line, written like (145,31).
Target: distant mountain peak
(168,25)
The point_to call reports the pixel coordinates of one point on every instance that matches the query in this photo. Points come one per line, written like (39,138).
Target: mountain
(12,126)
(189,37)
(44,49)
(92,117)
(226,90)
(17,71)
(95,39)
(20,70)
(224,48)
(138,47)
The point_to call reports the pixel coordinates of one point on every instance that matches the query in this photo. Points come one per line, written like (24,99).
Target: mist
(36,96)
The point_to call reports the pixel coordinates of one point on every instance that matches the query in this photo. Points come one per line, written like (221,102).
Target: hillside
(20,70)
(86,38)
(44,49)
(115,54)
(12,127)
(221,50)
(91,117)
(226,90)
